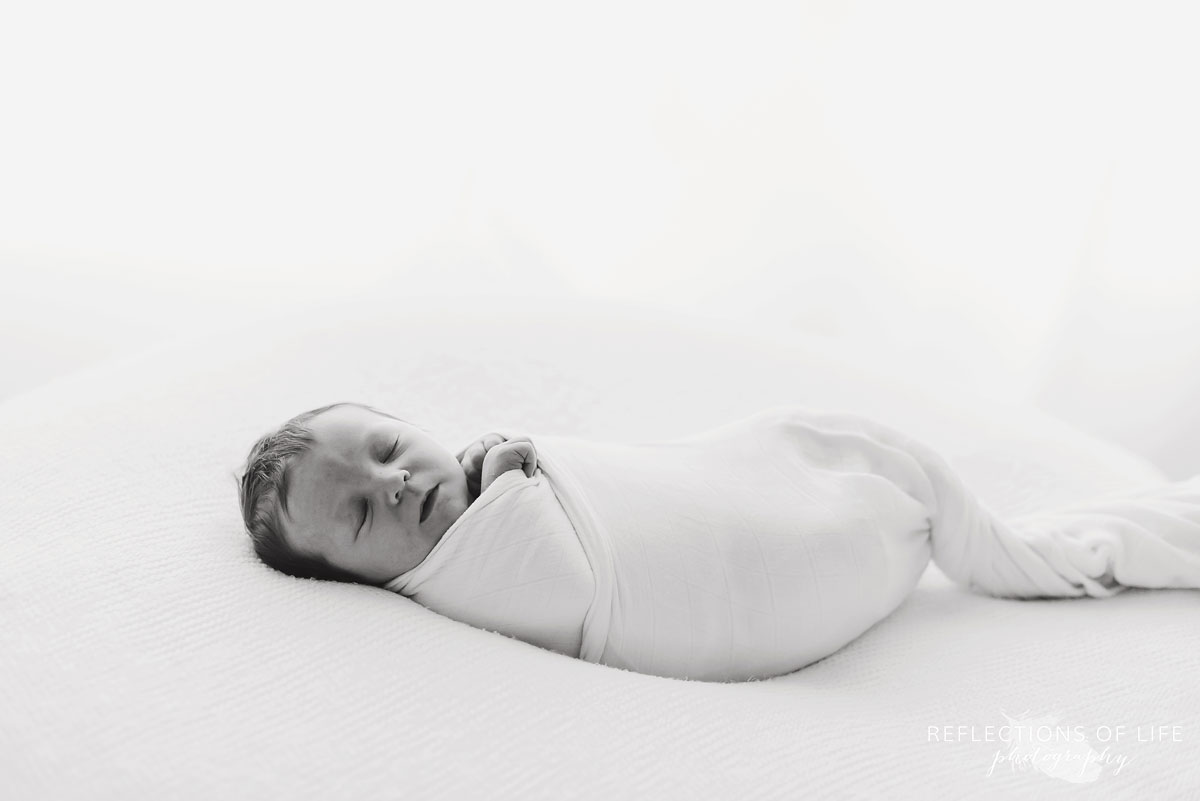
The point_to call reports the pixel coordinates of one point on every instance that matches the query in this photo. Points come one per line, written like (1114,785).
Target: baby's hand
(471,459)
(515,454)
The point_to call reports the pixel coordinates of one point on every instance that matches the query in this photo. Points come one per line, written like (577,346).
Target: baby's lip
(428,501)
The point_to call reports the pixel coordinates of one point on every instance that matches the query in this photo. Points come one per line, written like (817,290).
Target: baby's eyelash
(392,452)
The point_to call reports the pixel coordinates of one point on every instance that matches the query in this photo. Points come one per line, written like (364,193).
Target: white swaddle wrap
(511,563)
(756,548)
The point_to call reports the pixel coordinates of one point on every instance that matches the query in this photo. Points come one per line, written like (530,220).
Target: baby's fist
(471,458)
(515,454)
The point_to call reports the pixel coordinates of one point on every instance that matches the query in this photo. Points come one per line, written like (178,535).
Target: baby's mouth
(430,499)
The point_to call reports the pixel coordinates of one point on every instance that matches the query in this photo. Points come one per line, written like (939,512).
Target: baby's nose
(397,485)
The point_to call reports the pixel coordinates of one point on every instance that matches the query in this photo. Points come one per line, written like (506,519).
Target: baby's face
(362,496)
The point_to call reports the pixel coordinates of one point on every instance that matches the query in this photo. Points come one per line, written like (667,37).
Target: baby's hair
(263,489)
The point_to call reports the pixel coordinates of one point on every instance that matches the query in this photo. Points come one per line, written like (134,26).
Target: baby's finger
(473,454)
(483,444)
(530,463)
(523,449)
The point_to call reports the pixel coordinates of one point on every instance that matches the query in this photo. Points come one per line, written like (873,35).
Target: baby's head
(348,493)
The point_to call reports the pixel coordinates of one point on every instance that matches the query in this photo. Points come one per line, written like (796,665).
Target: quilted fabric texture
(756,548)
(511,563)
(145,652)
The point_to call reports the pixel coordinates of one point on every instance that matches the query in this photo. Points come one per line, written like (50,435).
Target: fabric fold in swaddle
(758,547)
(511,563)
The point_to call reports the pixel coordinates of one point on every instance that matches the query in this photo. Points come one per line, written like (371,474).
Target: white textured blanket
(759,547)
(146,653)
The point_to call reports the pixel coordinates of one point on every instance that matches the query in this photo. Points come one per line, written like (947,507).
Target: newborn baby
(745,551)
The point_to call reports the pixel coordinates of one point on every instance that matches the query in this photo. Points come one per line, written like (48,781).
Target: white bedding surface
(145,652)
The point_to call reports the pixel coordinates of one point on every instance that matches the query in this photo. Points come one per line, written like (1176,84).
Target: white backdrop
(1005,197)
